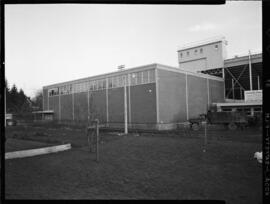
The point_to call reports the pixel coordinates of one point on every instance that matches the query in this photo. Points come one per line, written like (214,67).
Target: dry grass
(160,166)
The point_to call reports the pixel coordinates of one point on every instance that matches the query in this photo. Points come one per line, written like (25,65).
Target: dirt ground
(138,166)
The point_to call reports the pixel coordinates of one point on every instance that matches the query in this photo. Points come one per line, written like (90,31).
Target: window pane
(114,82)
(139,77)
(151,76)
(133,79)
(124,80)
(95,85)
(91,86)
(99,84)
(145,76)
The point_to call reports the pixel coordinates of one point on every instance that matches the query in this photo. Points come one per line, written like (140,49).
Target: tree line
(19,103)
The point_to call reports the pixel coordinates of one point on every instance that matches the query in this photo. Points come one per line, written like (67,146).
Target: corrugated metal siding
(197,96)
(172,96)
(143,103)
(80,106)
(216,91)
(97,105)
(116,105)
(54,105)
(66,107)
(45,99)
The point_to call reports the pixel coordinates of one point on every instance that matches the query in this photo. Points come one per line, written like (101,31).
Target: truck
(232,120)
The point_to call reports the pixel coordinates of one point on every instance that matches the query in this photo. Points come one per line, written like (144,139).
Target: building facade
(157,96)
(204,55)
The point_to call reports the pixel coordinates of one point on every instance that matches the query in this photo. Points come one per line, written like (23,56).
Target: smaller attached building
(158,97)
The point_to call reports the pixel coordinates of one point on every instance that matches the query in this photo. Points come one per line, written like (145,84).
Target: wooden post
(97,139)
(125,106)
(205,135)
(250,70)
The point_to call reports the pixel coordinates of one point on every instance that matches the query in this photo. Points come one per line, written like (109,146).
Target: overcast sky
(47,44)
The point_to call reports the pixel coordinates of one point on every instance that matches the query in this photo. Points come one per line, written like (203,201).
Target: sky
(53,43)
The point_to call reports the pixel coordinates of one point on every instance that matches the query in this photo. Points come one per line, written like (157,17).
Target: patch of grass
(141,167)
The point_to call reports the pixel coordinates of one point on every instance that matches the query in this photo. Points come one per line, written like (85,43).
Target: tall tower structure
(203,55)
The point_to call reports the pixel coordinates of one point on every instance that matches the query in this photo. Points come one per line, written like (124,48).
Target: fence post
(205,135)
(97,139)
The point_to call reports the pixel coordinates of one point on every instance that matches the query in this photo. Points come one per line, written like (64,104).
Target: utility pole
(250,71)
(125,105)
(233,88)
(120,68)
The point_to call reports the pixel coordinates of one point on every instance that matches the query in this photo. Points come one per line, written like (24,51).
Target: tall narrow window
(145,77)
(152,76)
(133,78)
(139,77)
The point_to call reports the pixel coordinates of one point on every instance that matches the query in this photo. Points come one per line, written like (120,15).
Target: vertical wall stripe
(88,106)
(43,100)
(107,100)
(59,106)
(73,105)
(157,93)
(187,96)
(129,102)
(208,94)
(48,101)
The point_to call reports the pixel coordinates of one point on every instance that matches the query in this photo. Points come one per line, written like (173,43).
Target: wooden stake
(97,139)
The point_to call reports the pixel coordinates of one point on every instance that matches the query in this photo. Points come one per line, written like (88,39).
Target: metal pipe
(250,71)
(187,97)
(233,89)
(125,106)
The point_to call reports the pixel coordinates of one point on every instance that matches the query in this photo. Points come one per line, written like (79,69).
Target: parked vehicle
(232,120)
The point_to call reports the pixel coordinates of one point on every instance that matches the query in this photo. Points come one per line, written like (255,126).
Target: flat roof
(135,69)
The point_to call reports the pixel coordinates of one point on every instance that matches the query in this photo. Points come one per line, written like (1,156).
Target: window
(114,82)
(216,47)
(151,76)
(181,54)
(139,77)
(54,92)
(195,51)
(94,85)
(133,79)
(100,84)
(201,50)
(187,53)
(61,91)
(145,77)
(91,86)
